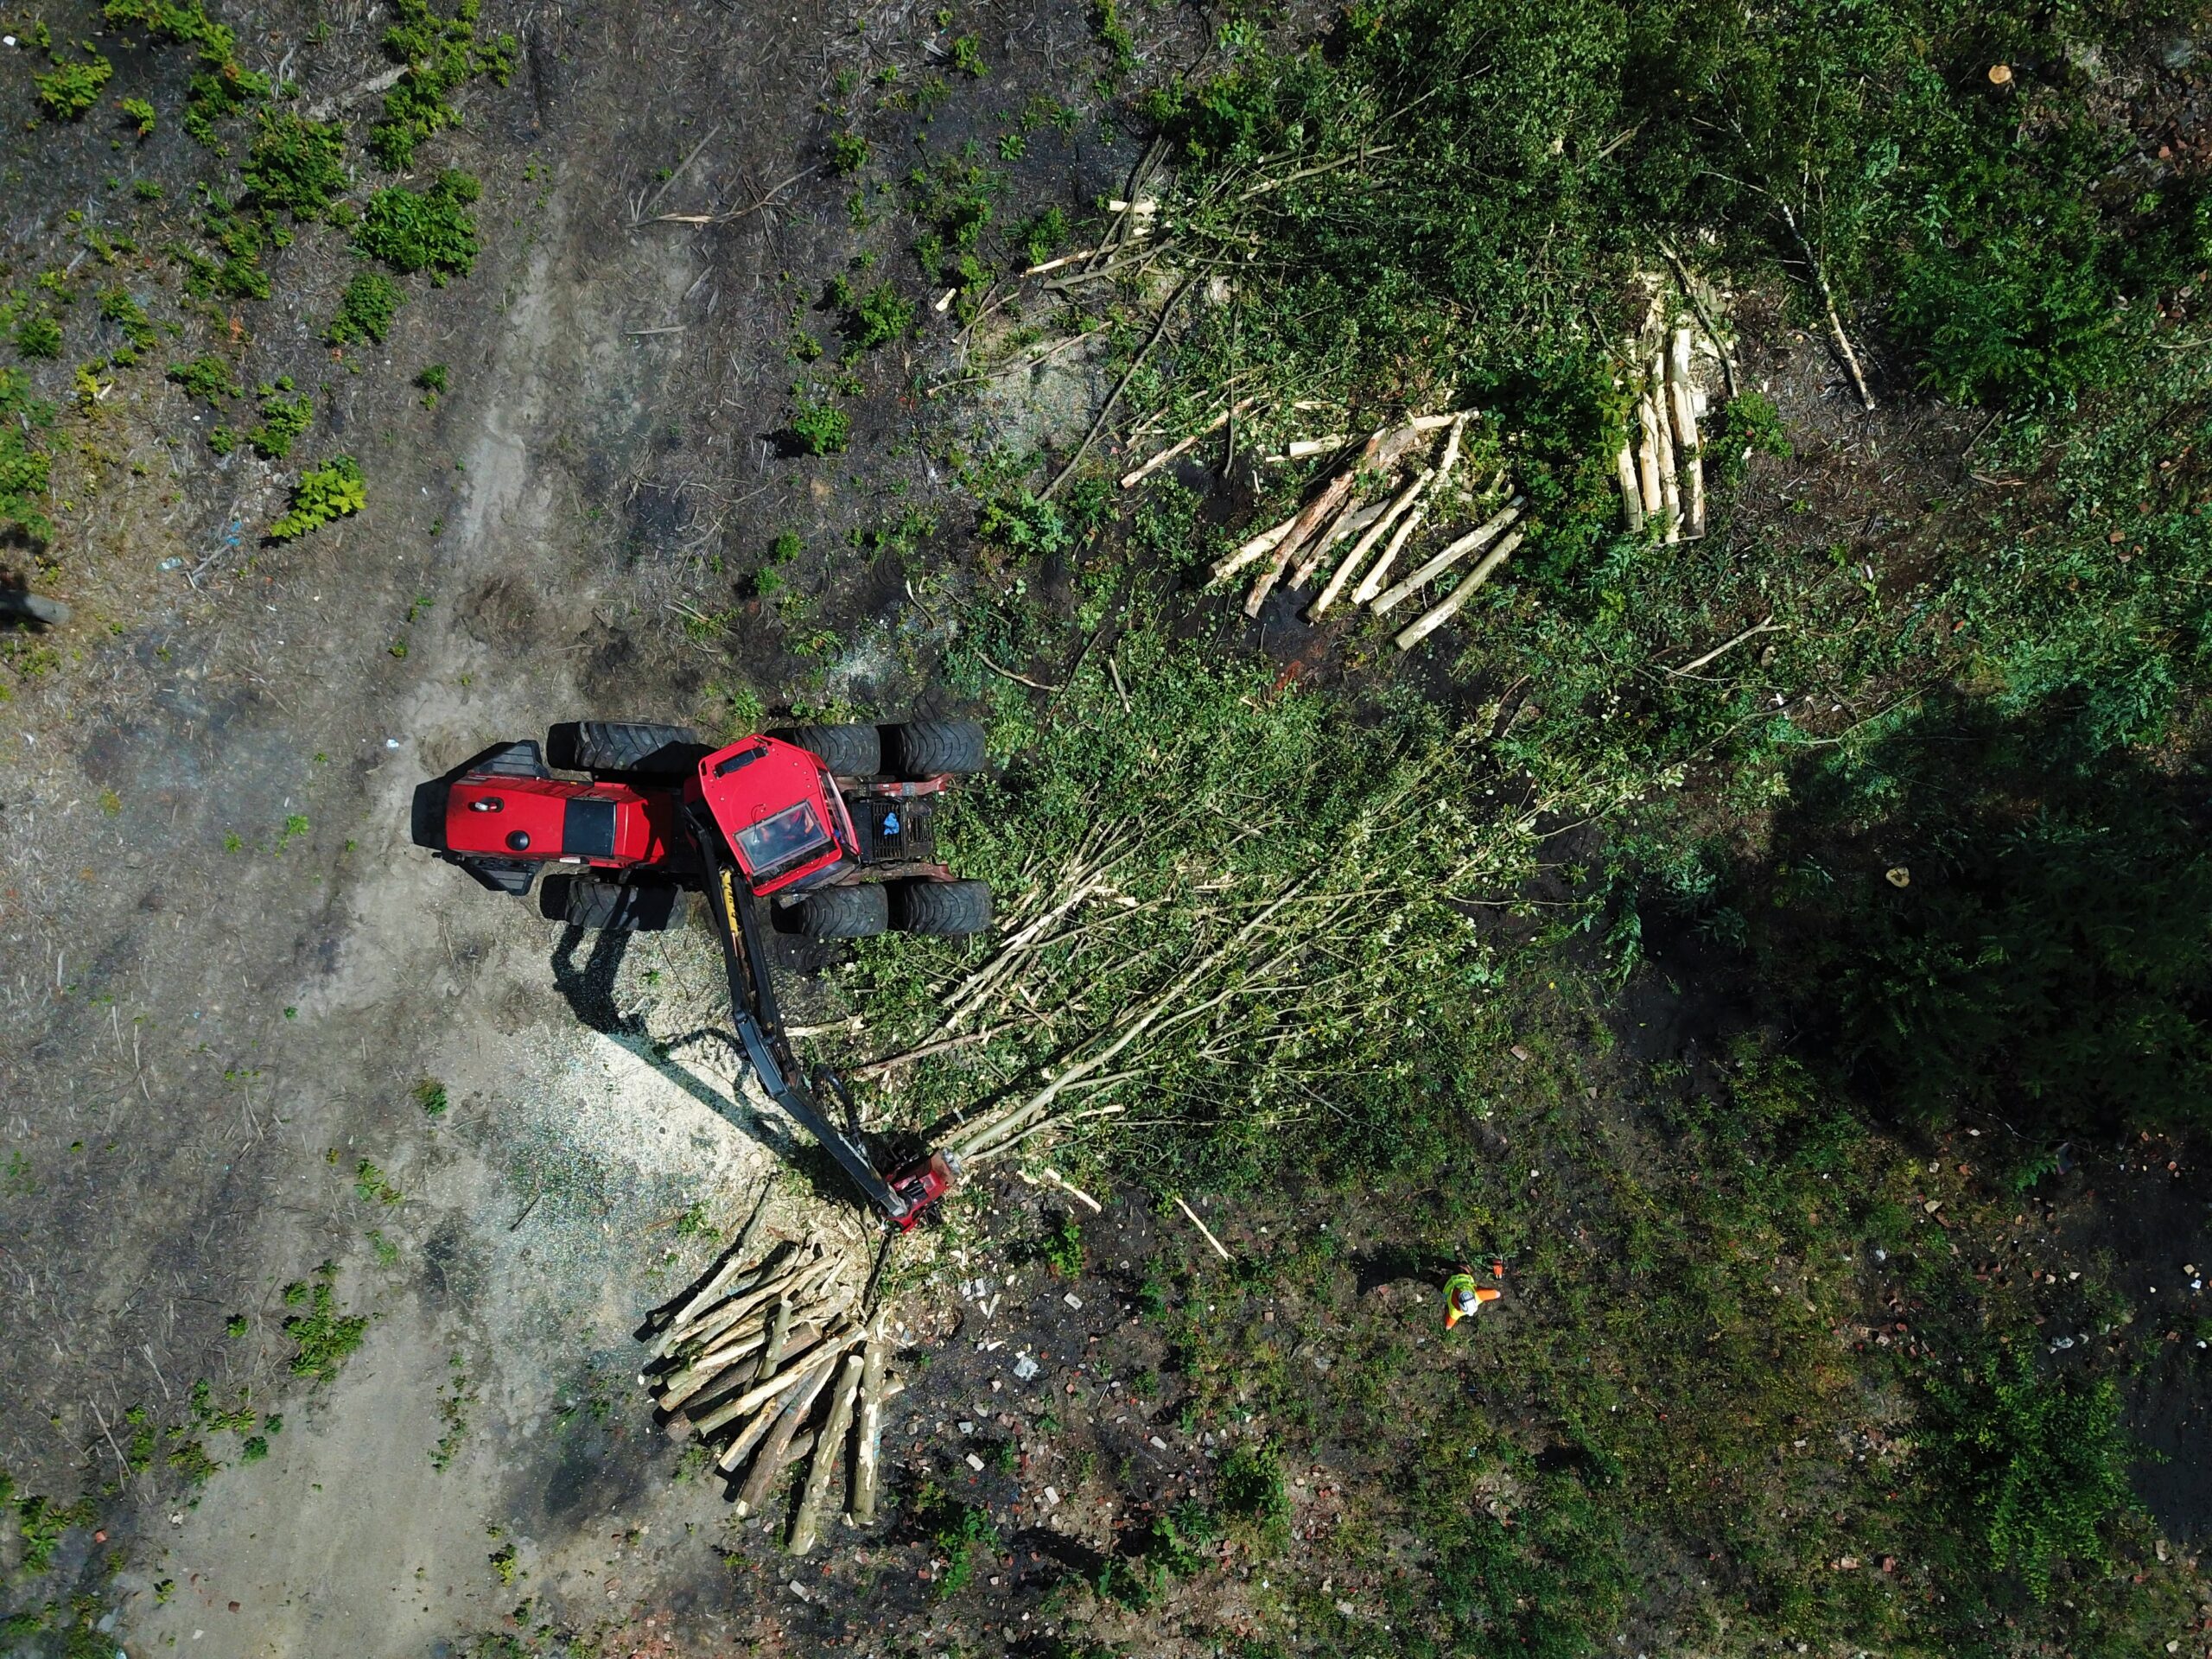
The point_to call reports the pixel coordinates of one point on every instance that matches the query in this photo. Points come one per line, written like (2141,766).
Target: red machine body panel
(778,808)
(607,826)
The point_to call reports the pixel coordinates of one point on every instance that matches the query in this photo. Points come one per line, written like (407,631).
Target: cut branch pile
(1364,503)
(742,1363)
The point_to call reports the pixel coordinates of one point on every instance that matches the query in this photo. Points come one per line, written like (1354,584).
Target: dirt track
(212,1014)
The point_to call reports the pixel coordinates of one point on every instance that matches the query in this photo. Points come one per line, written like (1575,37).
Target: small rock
(1158,1444)
(1073,1301)
(1024,1369)
(975,1463)
(1051,1498)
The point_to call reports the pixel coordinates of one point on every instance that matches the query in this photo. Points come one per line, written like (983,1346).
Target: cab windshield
(790,837)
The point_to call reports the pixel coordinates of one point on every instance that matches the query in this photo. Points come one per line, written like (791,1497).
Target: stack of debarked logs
(759,1360)
(1662,464)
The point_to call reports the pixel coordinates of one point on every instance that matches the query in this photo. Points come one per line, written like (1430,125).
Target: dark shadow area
(22,608)
(1973,917)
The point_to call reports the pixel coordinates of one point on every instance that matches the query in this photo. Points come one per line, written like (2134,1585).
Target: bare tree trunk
(868,1454)
(806,1525)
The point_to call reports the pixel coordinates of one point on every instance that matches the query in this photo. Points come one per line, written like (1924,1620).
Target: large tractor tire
(926,748)
(847,751)
(620,907)
(948,909)
(637,748)
(859,911)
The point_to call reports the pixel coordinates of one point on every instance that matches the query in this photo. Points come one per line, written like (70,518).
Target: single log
(807,1524)
(1356,517)
(1437,614)
(868,1449)
(1671,489)
(1681,401)
(1264,543)
(1481,536)
(1631,495)
(769,1463)
(1647,454)
(735,1454)
(1360,549)
(780,1326)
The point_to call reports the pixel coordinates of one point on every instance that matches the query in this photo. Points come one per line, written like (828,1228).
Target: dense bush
(296,166)
(422,231)
(365,309)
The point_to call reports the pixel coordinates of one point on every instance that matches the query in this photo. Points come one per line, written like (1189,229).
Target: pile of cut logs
(759,1360)
(1380,525)
(1661,462)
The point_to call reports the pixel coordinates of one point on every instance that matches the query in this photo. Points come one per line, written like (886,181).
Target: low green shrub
(296,166)
(25,467)
(426,230)
(440,53)
(206,377)
(365,309)
(285,415)
(331,490)
(821,428)
(73,87)
(38,336)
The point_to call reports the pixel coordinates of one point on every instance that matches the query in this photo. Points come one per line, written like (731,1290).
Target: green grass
(296,166)
(442,53)
(73,87)
(25,465)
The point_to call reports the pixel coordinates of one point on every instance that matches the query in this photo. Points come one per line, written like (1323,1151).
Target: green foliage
(848,152)
(126,314)
(442,53)
(431,380)
(821,428)
(38,337)
(296,166)
(1251,1486)
(2035,1467)
(1020,525)
(1061,1249)
(222,88)
(959,1532)
(331,490)
(141,114)
(1160,750)
(72,87)
(25,466)
(41,1522)
(322,1338)
(284,416)
(425,230)
(371,1186)
(430,1096)
(876,318)
(365,309)
(206,377)
(1043,235)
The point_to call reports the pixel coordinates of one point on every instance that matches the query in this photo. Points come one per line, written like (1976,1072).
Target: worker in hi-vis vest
(1463,1298)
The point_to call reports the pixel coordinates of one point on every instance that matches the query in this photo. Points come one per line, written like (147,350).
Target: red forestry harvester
(826,829)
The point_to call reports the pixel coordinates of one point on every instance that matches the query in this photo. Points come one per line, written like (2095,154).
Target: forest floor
(254,1039)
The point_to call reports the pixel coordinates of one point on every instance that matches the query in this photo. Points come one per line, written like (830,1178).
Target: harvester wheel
(924,748)
(950,909)
(640,747)
(847,751)
(859,911)
(622,907)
